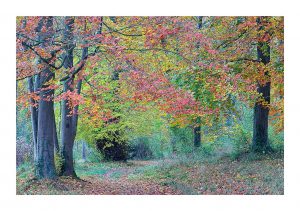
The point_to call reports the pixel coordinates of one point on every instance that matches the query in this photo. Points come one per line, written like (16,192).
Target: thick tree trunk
(260,126)
(45,167)
(67,138)
(261,112)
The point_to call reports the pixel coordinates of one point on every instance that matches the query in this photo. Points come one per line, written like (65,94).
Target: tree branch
(45,60)
(118,31)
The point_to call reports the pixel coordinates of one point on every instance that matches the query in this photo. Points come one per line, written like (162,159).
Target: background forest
(150,105)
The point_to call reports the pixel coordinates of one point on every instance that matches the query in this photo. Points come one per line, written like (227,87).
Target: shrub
(242,142)
(113,146)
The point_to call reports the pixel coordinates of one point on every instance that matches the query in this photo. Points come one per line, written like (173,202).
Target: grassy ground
(245,174)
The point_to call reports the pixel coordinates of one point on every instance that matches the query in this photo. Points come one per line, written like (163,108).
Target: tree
(197,128)
(261,108)
(67,124)
(244,47)
(41,85)
(45,146)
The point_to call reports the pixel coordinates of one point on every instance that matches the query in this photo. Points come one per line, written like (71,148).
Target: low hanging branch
(46,60)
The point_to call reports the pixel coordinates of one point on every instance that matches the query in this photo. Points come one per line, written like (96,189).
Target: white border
(13,8)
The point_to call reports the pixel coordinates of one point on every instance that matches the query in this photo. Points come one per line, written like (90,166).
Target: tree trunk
(67,136)
(34,118)
(197,129)
(45,146)
(197,133)
(67,129)
(173,144)
(83,151)
(69,123)
(59,121)
(55,138)
(230,119)
(32,87)
(45,167)
(261,112)
(200,20)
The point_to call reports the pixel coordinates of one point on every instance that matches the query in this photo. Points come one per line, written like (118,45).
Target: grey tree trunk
(55,138)
(69,123)
(261,113)
(67,136)
(45,167)
(34,118)
(67,130)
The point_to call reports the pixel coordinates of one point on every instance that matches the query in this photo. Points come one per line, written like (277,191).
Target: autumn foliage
(182,69)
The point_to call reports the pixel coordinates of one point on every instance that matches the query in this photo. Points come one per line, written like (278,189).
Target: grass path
(246,175)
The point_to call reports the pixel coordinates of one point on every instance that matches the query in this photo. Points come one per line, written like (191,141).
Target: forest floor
(246,174)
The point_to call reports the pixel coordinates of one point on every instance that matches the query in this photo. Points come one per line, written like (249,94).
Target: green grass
(89,169)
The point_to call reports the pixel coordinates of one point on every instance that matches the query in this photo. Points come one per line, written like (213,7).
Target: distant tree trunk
(197,128)
(200,22)
(66,118)
(197,133)
(59,121)
(261,112)
(36,87)
(34,118)
(55,138)
(230,119)
(83,151)
(32,87)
